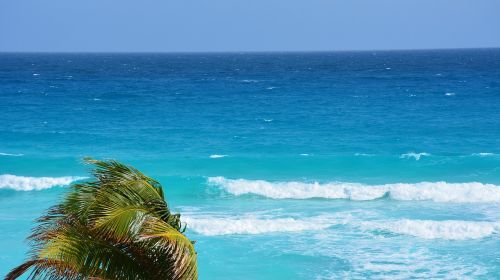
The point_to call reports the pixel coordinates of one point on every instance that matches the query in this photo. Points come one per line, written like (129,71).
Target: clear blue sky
(246,25)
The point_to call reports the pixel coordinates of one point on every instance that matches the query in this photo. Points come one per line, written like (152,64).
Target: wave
(22,183)
(11,155)
(363,155)
(217,156)
(428,229)
(416,156)
(211,226)
(432,191)
(483,154)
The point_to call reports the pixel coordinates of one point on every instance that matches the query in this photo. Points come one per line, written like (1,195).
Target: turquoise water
(354,165)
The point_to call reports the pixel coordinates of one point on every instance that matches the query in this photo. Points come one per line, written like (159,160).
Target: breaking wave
(416,156)
(211,226)
(483,154)
(217,156)
(22,183)
(428,229)
(432,191)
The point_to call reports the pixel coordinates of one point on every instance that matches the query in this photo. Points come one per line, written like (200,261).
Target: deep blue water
(349,165)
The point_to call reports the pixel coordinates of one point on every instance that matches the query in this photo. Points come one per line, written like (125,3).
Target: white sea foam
(305,155)
(217,156)
(432,191)
(22,183)
(449,94)
(223,225)
(450,229)
(11,155)
(363,155)
(212,225)
(416,156)
(483,154)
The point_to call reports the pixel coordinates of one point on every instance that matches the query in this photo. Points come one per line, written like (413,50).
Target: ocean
(335,165)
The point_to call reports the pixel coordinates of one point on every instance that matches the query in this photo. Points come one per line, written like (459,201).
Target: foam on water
(363,155)
(222,225)
(212,225)
(428,229)
(217,156)
(22,183)
(432,191)
(483,154)
(416,156)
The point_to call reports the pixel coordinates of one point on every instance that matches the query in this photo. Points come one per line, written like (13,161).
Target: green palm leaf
(115,227)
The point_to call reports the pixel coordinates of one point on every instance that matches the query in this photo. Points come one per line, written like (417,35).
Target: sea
(322,165)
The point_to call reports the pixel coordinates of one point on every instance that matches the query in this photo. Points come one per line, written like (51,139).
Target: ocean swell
(213,225)
(427,229)
(22,183)
(11,155)
(416,156)
(432,191)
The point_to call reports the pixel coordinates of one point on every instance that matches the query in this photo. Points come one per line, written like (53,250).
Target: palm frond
(117,226)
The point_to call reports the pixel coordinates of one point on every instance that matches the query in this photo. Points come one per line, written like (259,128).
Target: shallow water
(299,165)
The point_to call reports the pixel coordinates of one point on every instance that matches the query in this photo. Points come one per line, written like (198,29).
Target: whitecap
(256,224)
(363,155)
(429,229)
(249,81)
(36,74)
(217,156)
(11,155)
(305,155)
(449,94)
(268,120)
(483,154)
(22,183)
(224,225)
(425,191)
(270,88)
(416,156)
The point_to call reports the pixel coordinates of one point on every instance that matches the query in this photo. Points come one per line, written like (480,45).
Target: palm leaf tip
(116,226)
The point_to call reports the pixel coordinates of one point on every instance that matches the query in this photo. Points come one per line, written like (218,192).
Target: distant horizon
(245,52)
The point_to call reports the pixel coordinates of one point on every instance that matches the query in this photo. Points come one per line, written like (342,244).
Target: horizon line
(245,52)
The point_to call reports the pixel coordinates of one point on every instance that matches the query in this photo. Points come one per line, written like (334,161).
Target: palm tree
(117,226)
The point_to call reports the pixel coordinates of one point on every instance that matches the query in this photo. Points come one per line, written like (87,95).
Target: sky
(246,25)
